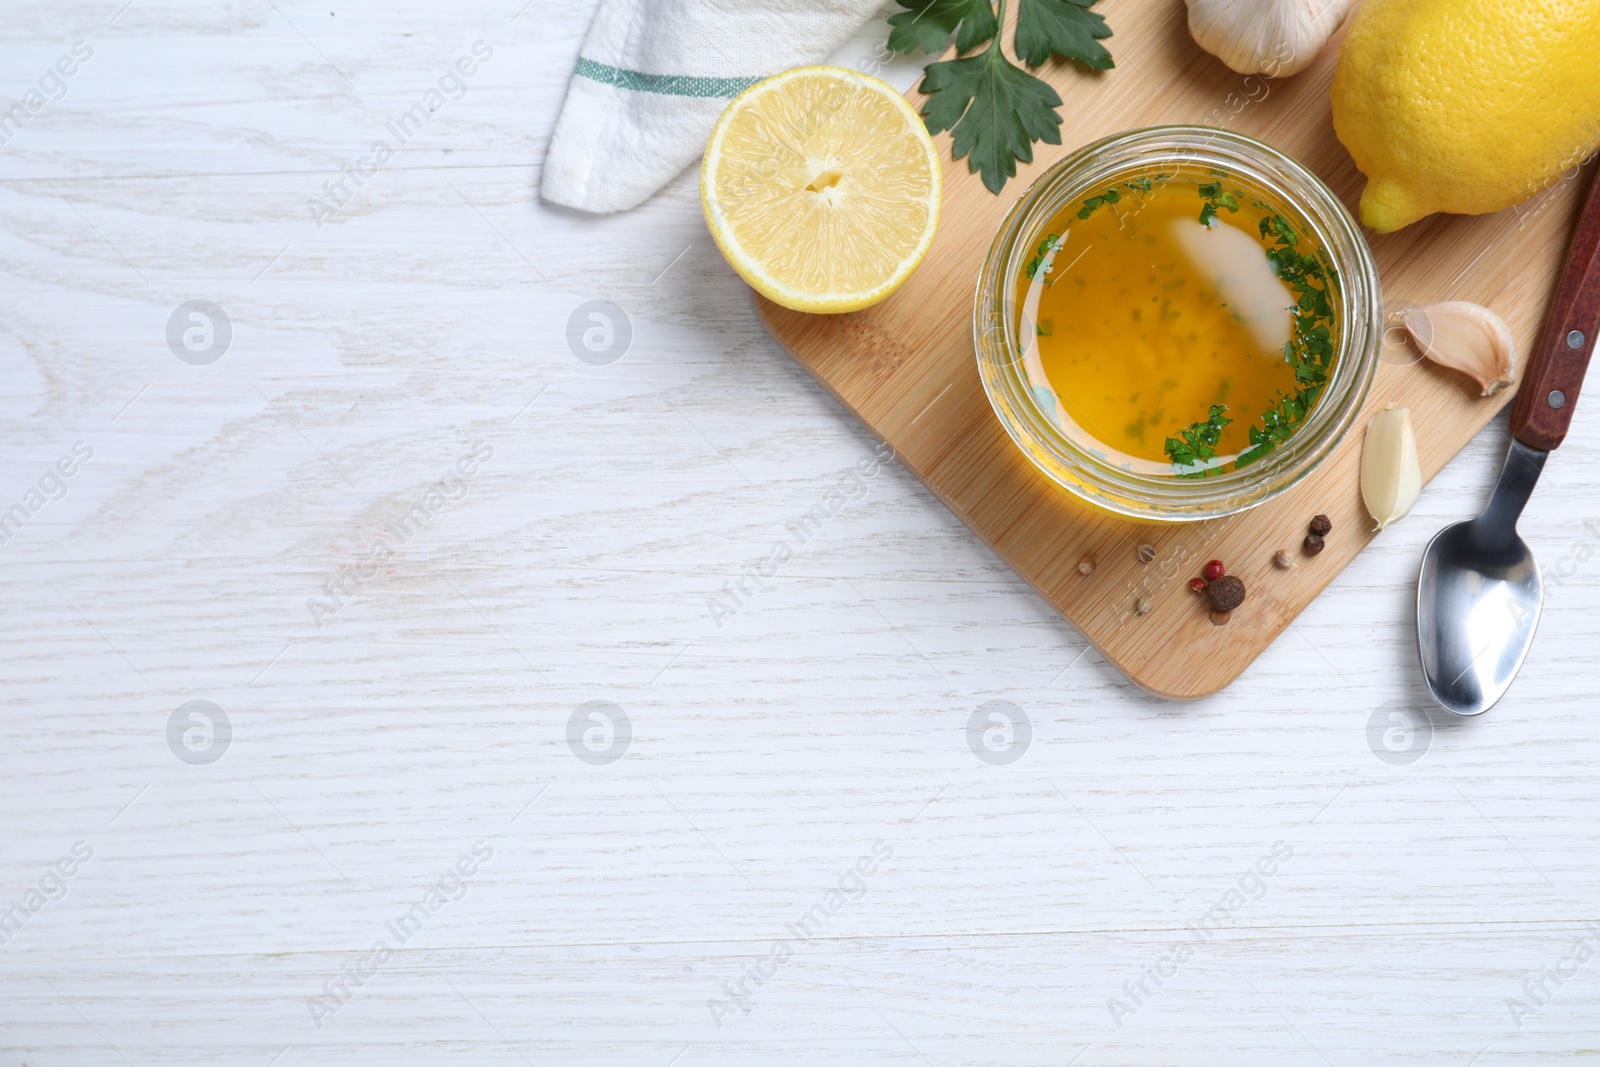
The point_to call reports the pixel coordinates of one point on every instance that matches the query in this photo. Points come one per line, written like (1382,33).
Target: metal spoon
(1481,592)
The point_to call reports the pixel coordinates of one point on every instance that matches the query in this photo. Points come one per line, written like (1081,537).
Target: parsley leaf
(1064,28)
(1215,198)
(1196,444)
(1046,246)
(928,25)
(995,110)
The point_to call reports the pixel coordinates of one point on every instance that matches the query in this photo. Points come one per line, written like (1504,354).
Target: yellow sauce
(1143,316)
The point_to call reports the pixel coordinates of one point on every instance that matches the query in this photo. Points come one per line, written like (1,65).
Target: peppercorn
(1214,570)
(1219,618)
(1313,544)
(1197,584)
(1226,593)
(1321,526)
(1147,553)
(1086,565)
(1281,560)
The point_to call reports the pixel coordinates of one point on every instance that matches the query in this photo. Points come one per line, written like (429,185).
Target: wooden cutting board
(906,368)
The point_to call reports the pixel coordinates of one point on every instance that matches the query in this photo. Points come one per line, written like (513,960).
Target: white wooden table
(631,912)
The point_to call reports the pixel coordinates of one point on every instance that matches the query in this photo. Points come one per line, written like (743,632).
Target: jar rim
(996,325)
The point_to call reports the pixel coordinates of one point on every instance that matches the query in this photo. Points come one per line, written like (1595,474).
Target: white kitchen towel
(653,75)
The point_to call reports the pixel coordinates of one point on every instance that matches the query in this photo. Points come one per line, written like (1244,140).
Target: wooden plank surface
(768,752)
(906,368)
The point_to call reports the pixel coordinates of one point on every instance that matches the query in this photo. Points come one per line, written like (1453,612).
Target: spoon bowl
(1478,601)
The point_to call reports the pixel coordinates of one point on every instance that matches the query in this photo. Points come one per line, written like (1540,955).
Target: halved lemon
(821,188)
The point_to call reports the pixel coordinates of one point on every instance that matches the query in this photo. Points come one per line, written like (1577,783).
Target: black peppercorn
(1226,593)
(1313,544)
(1321,526)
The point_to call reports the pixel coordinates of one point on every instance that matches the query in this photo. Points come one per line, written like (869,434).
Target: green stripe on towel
(665,84)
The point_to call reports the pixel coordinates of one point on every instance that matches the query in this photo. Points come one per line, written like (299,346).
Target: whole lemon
(1468,106)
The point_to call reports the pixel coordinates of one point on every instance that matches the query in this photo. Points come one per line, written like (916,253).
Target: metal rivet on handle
(1575,339)
(1557,398)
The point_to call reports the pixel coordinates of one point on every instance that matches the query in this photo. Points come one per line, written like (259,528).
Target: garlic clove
(1272,37)
(1467,338)
(1391,475)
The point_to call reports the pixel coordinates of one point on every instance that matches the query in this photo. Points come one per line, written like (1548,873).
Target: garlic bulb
(1272,37)
(1391,476)
(1467,338)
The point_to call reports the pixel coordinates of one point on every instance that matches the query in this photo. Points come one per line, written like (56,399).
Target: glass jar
(1073,460)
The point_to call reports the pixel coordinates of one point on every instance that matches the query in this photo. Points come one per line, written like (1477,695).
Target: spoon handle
(1549,389)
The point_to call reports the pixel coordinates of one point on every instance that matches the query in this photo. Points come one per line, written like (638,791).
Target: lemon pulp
(821,188)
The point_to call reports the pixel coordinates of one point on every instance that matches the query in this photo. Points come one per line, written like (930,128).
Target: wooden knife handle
(1554,374)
